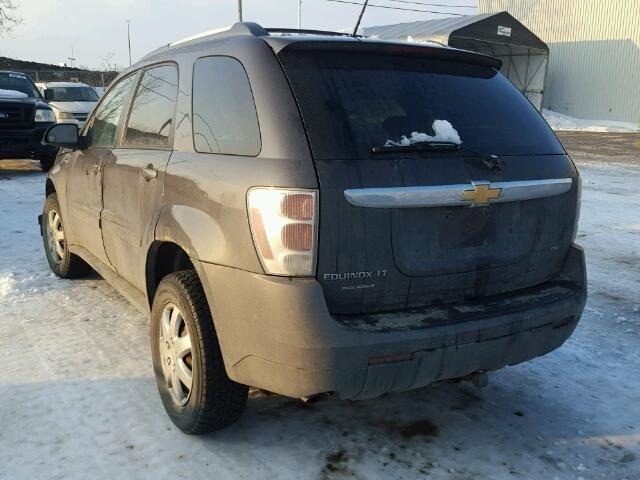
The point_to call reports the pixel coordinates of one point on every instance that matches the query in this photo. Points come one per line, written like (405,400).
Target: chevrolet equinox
(319,214)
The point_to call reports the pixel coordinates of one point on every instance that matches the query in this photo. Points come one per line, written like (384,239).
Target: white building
(594,53)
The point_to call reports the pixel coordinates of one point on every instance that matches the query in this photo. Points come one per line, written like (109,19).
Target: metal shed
(524,56)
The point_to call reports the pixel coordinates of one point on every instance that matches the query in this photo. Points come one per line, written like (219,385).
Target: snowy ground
(558,121)
(78,400)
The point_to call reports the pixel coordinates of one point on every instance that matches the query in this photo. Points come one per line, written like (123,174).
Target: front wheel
(61,261)
(196,392)
(46,162)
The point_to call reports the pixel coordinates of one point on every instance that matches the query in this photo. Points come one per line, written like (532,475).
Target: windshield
(353,102)
(71,94)
(16,85)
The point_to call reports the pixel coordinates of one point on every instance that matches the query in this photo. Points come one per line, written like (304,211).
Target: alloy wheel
(175,354)
(55,236)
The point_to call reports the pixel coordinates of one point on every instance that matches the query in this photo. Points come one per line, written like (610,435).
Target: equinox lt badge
(354,275)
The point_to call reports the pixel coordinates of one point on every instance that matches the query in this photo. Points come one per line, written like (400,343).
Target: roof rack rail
(243,28)
(309,32)
(239,28)
(253,29)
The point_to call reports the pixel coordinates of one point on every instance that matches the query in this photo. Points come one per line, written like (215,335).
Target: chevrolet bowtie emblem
(481,194)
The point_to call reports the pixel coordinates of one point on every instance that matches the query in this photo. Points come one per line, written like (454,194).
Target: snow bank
(12,94)
(558,121)
(421,41)
(444,133)
(7,283)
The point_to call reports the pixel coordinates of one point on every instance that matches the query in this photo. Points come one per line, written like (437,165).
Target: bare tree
(107,62)
(8,17)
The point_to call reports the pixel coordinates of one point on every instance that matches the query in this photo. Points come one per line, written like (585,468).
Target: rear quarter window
(224,113)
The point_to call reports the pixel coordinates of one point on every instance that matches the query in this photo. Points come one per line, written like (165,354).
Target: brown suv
(320,214)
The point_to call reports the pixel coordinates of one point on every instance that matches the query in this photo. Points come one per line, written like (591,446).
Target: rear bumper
(277,334)
(25,143)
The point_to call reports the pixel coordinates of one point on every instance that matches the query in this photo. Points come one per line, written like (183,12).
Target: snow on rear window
(444,132)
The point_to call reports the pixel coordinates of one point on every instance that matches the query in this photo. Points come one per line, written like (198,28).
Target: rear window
(352,102)
(150,123)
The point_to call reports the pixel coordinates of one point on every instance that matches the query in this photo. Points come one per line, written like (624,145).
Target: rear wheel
(61,261)
(196,392)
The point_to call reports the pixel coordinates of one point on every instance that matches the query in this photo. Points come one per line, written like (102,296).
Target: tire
(213,401)
(61,261)
(46,163)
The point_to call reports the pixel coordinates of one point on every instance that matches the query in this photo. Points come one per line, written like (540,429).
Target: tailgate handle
(474,194)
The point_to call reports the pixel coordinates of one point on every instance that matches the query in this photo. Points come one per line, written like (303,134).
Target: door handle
(96,168)
(149,173)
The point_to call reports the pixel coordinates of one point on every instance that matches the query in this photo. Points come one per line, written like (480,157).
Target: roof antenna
(364,7)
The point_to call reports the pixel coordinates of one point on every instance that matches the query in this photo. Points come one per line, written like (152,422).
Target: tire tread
(223,400)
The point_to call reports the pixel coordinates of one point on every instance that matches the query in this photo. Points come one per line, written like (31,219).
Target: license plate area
(449,240)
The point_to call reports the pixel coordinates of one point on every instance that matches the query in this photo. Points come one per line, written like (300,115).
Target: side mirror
(65,135)
(48,95)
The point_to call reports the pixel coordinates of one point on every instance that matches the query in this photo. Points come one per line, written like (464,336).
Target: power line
(398,8)
(427,4)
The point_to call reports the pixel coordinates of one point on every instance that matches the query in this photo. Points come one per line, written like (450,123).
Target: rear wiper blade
(489,161)
(417,147)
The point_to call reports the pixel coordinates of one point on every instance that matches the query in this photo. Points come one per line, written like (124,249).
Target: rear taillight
(284,228)
(578,207)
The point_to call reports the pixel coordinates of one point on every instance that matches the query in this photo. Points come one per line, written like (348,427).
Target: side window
(151,119)
(105,121)
(224,113)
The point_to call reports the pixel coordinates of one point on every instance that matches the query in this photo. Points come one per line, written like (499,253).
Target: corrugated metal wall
(594,65)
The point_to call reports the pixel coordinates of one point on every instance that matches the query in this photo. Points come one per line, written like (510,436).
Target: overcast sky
(97,27)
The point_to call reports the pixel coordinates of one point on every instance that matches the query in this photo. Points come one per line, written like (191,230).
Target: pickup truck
(24,117)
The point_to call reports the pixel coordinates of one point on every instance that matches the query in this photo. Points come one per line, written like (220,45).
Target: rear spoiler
(392,48)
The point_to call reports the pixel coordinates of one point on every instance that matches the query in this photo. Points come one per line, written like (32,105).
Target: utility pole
(364,6)
(299,14)
(239,10)
(129,39)
(71,58)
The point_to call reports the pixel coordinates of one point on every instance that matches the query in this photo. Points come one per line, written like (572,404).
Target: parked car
(24,117)
(99,91)
(72,102)
(320,215)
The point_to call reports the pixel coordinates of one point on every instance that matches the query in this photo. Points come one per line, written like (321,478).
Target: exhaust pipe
(479,379)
